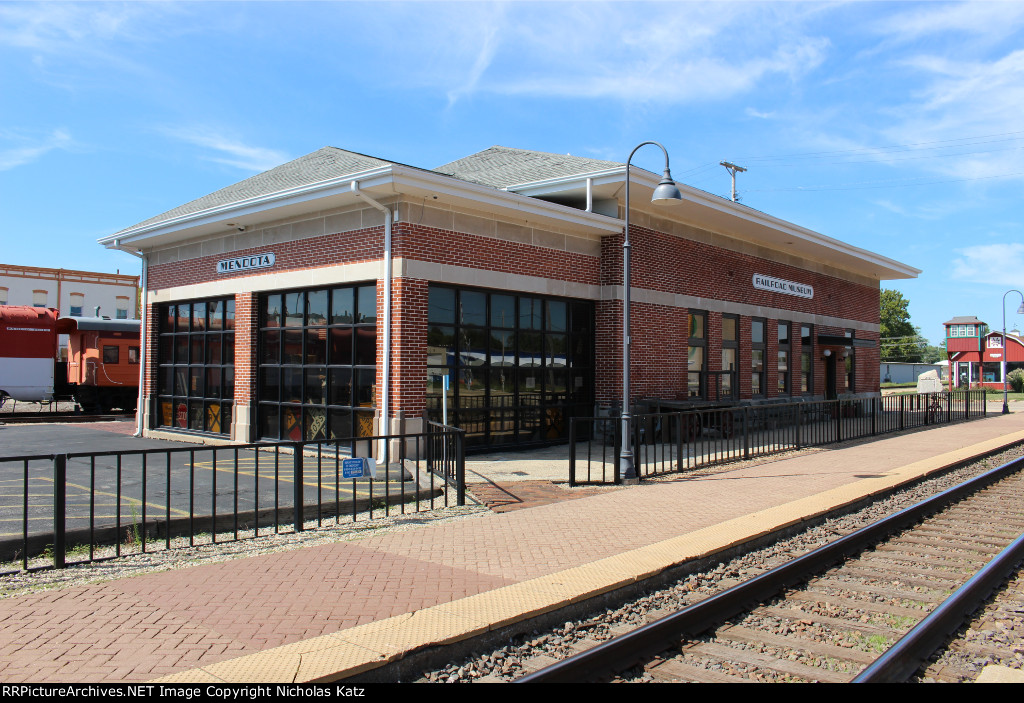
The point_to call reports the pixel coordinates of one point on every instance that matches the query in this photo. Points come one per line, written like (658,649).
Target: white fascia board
(491,198)
(563,183)
(270,201)
(736,213)
(395,178)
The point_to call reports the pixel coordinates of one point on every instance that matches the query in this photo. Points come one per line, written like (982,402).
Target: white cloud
(676,52)
(961,99)
(995,264)
(990,20)
(228,151)
(31,150)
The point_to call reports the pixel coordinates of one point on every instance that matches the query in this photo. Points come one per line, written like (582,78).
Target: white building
(72,293)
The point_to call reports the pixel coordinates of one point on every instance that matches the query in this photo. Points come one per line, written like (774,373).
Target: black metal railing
(681,441)
(60,509)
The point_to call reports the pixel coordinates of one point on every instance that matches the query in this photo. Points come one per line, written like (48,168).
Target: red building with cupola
(976,354)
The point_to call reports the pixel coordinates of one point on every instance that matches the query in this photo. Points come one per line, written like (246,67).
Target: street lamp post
(666,190)
(1006,347)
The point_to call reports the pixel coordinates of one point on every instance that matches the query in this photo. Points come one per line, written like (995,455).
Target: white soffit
(337,193)
(710,212)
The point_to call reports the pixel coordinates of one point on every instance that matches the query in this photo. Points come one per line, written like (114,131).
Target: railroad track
(877,616)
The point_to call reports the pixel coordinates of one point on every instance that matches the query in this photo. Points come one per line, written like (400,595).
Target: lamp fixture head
(667,189)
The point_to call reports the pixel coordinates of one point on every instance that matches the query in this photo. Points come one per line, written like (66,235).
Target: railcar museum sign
(801,290)
(244,263)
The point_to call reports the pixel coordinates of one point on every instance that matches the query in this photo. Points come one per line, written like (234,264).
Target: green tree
(900,340)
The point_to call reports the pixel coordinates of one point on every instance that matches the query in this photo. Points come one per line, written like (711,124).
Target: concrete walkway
(337,609)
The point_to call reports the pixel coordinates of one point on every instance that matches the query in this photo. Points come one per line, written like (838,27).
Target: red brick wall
(660,262)
(246,331)
(667,263)
(409,346)
(472,251)
(315,252)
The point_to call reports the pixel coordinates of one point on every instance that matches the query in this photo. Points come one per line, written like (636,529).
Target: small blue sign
(357,468)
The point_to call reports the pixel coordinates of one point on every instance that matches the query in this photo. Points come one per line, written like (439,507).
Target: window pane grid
(195,366)
(317,375)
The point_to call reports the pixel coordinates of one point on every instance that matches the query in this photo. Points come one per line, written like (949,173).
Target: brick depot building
(320,297)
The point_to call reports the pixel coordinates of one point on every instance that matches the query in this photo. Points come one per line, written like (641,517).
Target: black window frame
(186,400)
(696,380)
(316,370)
(519,364)
(785,372)
(806,354)
(757,373)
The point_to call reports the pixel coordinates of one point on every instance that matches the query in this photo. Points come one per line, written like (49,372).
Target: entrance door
(830,377)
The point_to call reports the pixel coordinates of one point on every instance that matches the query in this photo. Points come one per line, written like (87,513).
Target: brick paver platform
(144,627)
(501,497)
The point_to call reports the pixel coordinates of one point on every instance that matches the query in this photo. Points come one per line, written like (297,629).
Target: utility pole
(733,169)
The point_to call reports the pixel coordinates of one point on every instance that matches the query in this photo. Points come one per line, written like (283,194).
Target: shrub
(1016,380)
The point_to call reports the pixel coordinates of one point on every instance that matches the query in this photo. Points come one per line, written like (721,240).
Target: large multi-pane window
(516,367)
(848,372)
(196,365)
(757,386)
(730,351)
(696,353)
(318,363)
(784,358)
(806,359)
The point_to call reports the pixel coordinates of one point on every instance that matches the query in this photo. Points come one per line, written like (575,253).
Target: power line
(963,141)
(896,183)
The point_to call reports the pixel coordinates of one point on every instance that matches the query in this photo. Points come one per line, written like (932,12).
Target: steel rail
(625,651)
(905,657)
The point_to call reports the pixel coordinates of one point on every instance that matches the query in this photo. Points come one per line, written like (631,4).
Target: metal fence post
(903,403)
(746,435)
(572,451)
(839,420)
(874,415)
(60,474)
(460,470)
(799,422)
(679,441)
(297,484)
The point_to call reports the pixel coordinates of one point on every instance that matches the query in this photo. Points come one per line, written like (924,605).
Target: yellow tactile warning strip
(365,647)
(995,673)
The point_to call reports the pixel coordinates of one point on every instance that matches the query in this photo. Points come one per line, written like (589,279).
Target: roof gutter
(142,331)
(385,394)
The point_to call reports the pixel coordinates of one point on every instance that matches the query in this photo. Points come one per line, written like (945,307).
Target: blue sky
(896,127)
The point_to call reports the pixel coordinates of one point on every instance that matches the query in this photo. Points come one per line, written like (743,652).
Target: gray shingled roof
(965,320)
(497,167)
(501,167)
(321,165)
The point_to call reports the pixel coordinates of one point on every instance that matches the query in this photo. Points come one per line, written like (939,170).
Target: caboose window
(133,355)
(110,354)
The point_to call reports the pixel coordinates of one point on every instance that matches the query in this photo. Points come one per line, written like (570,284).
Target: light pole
(666,190)
(1006,347)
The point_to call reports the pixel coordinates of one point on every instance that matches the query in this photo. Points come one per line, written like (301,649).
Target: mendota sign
(244,263)
(801,290)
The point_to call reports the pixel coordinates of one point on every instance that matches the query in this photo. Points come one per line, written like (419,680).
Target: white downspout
(385,393)
(590,195)
(142,333)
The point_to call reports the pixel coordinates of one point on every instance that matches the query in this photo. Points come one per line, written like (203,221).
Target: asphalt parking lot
(131,482)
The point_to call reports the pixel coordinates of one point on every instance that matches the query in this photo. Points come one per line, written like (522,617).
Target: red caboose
(28,347)
(103,362)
